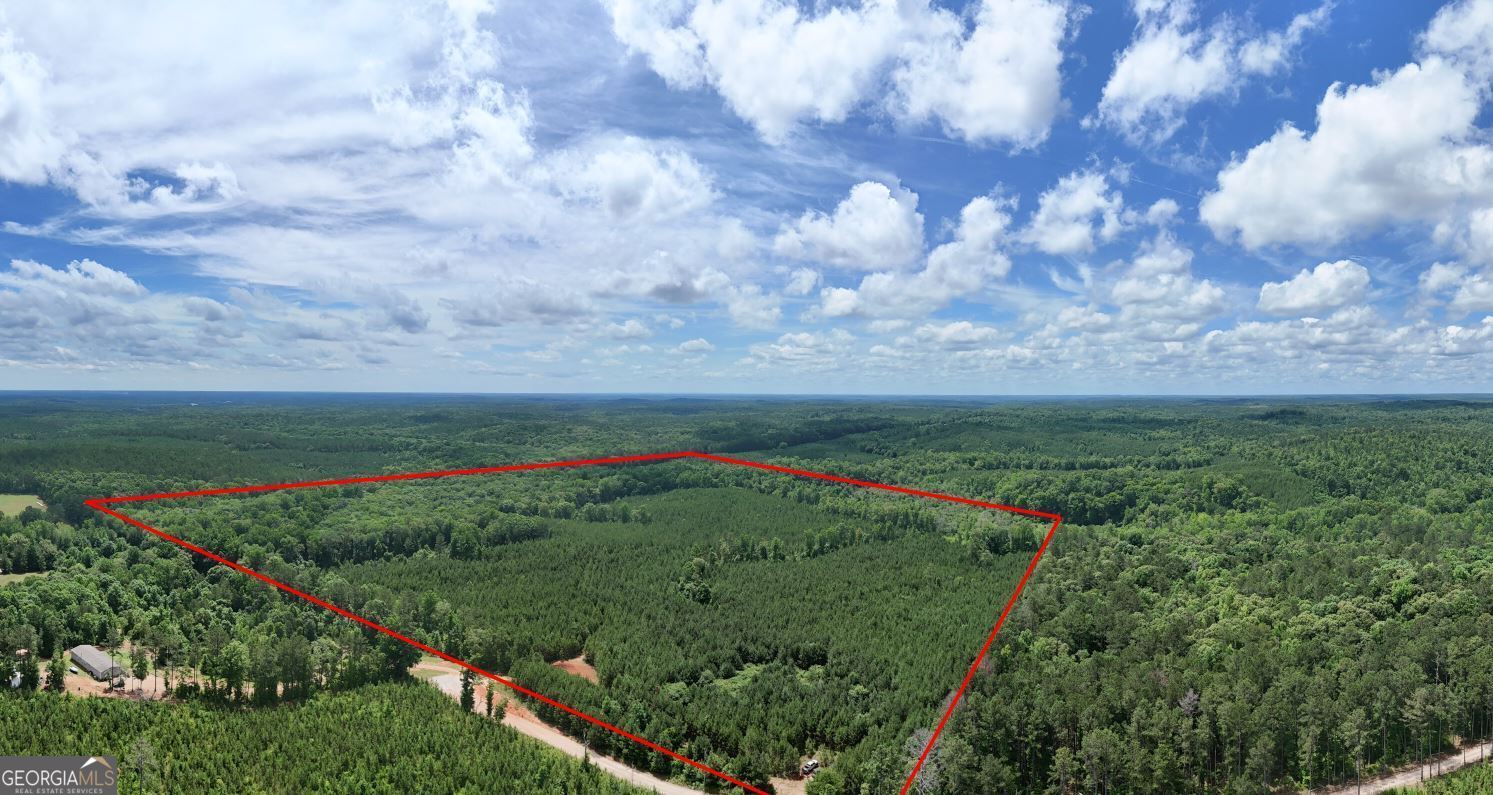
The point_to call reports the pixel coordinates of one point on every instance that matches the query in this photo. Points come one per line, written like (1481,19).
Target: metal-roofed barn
(98,664)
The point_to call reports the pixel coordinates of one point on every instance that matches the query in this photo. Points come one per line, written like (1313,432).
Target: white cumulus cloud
(1174,63)
(777,66)
(694,347)
(1327,286)
(875,228)
(1403,148)
(998,79)
(963,266)
(1071,214)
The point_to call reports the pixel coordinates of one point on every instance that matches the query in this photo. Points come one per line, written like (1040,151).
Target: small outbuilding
(98,664)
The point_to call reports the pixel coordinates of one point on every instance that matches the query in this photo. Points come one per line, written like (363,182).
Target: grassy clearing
(7,579)
(13,504)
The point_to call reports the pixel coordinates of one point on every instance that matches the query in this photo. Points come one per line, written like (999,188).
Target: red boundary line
(99,503)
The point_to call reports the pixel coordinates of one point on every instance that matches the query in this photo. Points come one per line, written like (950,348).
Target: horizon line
(5,392)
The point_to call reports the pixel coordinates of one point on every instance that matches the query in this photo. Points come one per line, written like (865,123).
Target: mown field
(13,504)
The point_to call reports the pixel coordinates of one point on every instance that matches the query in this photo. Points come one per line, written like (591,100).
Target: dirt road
(447,677)
(790,786)
(1412,776)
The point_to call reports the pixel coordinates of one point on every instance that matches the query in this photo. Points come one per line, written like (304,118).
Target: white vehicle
(809,767)
(72,668)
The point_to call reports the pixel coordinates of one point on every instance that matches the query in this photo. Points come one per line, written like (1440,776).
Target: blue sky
(1002,197)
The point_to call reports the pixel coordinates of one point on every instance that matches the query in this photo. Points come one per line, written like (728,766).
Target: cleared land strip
(1440,766)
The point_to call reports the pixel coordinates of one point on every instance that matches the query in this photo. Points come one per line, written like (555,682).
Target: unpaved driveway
(447,677)
(790,786)
(1412,776)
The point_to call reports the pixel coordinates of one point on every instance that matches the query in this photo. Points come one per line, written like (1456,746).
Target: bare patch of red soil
(577,666)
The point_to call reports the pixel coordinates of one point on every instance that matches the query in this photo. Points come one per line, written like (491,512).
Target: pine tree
(56,675)
(467,700)
(30,671)
(139,665)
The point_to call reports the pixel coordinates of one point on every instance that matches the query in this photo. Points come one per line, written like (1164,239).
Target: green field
(13,504)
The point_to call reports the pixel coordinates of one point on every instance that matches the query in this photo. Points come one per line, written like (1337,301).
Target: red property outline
(98,505)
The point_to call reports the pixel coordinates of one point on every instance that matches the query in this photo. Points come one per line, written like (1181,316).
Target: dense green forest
(716,615)
(1246,595)
(383,739)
